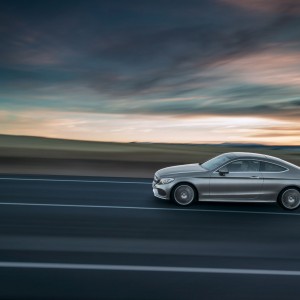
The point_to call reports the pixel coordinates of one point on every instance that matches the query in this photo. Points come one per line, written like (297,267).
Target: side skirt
(236,200)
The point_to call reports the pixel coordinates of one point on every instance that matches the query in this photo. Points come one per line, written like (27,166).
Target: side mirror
(223,171)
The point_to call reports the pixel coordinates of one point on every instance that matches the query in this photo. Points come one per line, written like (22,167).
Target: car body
(234,176)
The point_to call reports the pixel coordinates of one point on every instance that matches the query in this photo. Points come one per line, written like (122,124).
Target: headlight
(166,180)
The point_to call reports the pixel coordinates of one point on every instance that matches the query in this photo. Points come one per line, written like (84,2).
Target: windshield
(217,161)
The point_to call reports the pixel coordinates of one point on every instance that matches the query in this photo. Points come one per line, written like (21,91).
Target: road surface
(109,238)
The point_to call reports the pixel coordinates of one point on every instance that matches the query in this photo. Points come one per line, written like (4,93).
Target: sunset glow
(120,128)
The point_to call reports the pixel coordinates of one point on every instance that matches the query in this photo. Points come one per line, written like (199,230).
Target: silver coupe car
(231,177)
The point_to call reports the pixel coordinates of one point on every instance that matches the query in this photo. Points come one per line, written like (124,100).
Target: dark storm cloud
(141,51)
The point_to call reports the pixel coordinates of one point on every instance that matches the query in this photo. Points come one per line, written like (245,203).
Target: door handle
(255,177)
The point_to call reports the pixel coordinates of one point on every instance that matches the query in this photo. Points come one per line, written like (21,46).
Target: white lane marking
(100,267)
(147,208)
(72,180)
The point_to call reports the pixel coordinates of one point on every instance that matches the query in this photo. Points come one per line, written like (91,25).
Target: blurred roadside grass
(36,147)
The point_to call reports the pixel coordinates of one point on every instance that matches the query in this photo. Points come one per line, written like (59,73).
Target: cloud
(267,6)
(278,66)
(179,59)
(288,130)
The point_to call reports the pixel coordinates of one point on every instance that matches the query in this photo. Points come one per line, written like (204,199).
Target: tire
(184,194)
(289,198)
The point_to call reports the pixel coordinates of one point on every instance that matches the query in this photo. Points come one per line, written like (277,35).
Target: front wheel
(289,198)
(184,194)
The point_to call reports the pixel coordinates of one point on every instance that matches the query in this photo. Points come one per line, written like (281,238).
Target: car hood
(180,169)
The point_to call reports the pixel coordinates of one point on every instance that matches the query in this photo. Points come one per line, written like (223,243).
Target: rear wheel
(289,198)
(184,194)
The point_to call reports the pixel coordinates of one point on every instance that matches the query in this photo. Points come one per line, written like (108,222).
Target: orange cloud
(272,67)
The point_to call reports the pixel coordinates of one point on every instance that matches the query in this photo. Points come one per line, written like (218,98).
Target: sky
(172,71)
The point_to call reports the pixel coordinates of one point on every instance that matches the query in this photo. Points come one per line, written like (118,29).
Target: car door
(241,180)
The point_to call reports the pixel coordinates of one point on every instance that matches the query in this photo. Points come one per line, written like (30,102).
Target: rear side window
(269,167)
(243,166)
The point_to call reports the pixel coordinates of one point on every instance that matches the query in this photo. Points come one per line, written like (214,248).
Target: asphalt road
(109,238)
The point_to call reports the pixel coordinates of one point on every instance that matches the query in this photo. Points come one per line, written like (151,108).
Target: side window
(269,167)
(243,166)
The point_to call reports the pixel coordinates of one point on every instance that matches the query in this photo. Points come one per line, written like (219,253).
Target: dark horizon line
(234,144)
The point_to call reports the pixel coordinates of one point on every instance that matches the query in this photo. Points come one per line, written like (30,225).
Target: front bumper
(156,193)
(161,191)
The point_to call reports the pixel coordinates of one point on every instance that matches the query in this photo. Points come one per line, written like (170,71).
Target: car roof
(246,155)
